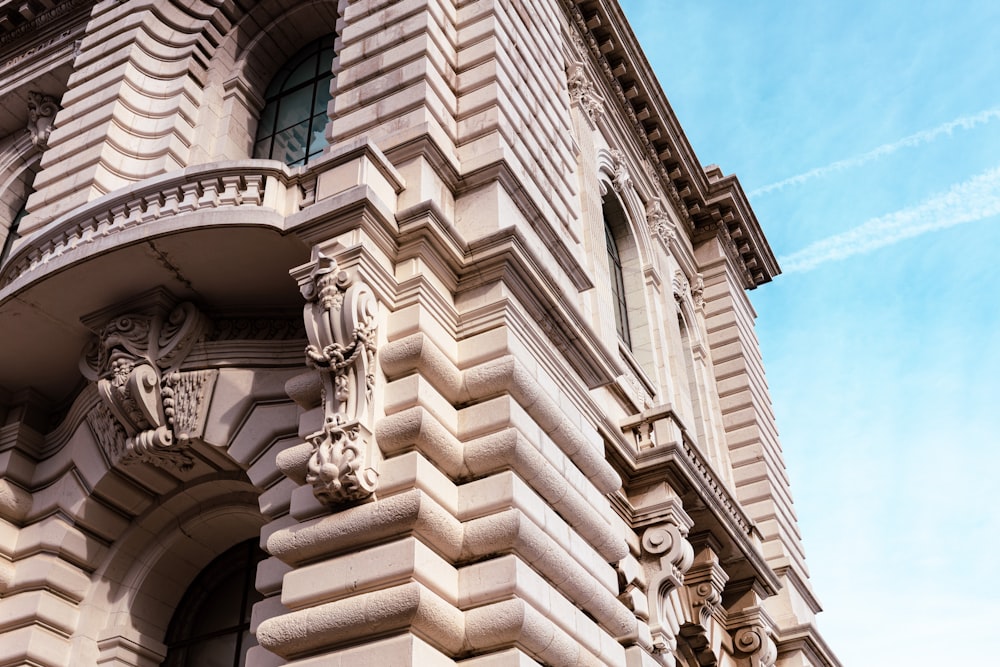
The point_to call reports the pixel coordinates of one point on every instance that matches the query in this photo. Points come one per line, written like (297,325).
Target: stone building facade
(395,332)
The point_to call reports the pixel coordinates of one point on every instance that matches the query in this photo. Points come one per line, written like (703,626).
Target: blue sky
(867,135)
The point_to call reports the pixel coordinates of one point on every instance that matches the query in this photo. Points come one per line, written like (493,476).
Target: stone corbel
(667,555)
(755,644)
(702,596)
(41,114)
(340,317)
(149,409)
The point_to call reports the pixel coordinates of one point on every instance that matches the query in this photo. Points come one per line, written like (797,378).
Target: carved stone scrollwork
(698,291)
(680,285)
(702,594)
(621,180)
(755,642)
(149,409)
(340,317)
(41,114)
(659,221)
(668,555)
(582,92)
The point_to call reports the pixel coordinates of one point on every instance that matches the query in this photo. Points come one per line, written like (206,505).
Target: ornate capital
(149,409)
(41,114)
(340,318)
(659,221)
(621,180)
(582,92)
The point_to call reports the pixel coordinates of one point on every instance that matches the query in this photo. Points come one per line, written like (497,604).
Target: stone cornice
(707,201)
(30,17)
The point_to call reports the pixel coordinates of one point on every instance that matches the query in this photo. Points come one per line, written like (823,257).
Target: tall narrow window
(617,285)
(293,123)
(211,627)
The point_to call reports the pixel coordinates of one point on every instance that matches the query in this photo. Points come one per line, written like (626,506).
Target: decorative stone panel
(150,410)
(340,317)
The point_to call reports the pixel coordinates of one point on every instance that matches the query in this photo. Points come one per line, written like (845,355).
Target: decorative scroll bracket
(754,641)
(149,409)
(41,115)
(702,596)
(341,319)
(667,555)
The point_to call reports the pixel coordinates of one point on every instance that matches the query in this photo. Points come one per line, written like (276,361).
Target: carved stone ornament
(340,318)
(698,291)
(149,409)
(702,594)
(41,114)
(659,221)
(680,286)
(755,642)
(582,92)
(621,180)
(673,554)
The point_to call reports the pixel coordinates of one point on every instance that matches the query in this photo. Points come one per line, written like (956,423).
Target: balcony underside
(234,268)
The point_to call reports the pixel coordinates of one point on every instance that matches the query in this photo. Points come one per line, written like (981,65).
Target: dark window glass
(617,286)
(211,626)
(293,123)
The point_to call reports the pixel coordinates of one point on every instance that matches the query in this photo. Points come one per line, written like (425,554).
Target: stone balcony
(223,235)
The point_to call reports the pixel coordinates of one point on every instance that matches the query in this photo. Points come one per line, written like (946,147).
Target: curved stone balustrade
(246,185)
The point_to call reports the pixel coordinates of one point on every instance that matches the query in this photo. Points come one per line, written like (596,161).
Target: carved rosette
(668,555)
(659,221)
(340,318)
(149,410)
(755,642)
(582,92)
(41,114)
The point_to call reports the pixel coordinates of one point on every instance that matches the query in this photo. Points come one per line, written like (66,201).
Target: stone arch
(152,565)
(145,90)
(177,521)
(19,164)
(244,64)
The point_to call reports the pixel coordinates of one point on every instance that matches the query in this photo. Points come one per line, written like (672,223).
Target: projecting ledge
(657,450)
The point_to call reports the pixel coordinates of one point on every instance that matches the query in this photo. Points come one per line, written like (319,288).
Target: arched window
(211,627)
(614,227)
(617,286)
(293,123)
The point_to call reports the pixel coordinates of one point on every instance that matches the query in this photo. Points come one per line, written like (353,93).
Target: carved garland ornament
(149,409)
(340,318)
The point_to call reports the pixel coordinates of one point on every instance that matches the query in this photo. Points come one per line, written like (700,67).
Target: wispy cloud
(974,199)
(922,137)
